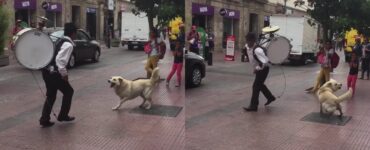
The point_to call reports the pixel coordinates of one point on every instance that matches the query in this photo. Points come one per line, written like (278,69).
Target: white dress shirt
(63,56)
(260,56)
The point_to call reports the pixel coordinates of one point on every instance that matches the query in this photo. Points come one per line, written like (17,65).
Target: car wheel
(96,56)
(72,61)
(196,77)
(130,47)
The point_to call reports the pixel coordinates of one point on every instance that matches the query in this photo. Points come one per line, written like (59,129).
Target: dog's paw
(114,108)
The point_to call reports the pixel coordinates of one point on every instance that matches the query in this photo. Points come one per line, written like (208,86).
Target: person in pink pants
(353,72)
(177,64)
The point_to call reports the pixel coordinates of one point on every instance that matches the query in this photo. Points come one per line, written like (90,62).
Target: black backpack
(58,46)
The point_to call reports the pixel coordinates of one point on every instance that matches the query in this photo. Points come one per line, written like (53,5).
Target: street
(96,125)
(215,119)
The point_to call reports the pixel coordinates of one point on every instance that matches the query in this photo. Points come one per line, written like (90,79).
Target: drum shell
(33,48)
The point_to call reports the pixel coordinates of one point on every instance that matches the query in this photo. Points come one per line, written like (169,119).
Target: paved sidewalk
(96,125)
(215,119)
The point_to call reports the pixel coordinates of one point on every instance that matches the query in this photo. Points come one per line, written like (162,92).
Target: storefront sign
(201,9)
(54,7)
(91,10)
(25,4)
(229,13)
(230,48)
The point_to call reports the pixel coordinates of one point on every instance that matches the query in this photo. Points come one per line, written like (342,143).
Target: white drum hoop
(33,48)
(278,49)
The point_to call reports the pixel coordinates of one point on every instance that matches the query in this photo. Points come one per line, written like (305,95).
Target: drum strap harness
(262,66)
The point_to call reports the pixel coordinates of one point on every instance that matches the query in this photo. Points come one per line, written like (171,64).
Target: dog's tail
(345,96)
(155,76)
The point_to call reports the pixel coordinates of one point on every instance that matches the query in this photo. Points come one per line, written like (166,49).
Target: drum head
(278,50)
(33,49)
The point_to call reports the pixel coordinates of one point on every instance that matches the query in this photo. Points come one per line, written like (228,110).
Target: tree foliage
(339,15)
(164,10)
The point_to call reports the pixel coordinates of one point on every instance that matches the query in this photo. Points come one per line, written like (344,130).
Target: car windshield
(57,34)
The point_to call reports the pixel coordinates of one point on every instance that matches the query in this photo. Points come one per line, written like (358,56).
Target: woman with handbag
(152,49)
(324,58)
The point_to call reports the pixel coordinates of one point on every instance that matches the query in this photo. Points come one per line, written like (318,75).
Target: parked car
(195,69)
(85,47)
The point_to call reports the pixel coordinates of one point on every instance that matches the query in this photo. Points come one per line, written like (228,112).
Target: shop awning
(232,14)
(25,4)
(202,9)
(55,7)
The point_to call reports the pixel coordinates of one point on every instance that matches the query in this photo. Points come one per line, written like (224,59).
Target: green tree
(164,10)
(4,24)
(339,15)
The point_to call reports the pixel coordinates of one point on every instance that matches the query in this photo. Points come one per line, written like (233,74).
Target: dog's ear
(120,80)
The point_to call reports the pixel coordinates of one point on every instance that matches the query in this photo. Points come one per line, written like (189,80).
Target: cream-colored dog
(128,90)
(329,102)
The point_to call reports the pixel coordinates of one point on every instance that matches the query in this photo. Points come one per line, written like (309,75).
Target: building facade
(93,16)
(228,17)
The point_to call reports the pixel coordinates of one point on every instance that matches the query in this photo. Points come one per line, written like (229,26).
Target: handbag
(147,48)
(321,58)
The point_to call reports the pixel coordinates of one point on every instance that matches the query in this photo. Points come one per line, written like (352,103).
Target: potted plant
(4,24)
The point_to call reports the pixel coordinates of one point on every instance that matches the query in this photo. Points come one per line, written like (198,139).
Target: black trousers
(259,86)
(54,82)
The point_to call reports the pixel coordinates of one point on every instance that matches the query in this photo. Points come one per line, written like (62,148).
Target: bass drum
(33,48)
(278,49)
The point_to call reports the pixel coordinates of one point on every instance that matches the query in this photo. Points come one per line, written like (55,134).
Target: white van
(303,36)
(134,29)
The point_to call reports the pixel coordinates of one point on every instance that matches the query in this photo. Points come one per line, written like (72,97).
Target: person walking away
(194,39)
(366,62)
(260,61)
(353,72)
(55,76)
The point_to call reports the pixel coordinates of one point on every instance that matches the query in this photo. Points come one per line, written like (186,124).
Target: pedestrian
(153,53)
(261,70)
(55,76)
(366,61)
(353,72)
(194,39)
(177,64)
(210,45)
(324,59)
(17,27)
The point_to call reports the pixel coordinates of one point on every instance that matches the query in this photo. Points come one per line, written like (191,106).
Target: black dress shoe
(46,124)
(250,109)
(270,101)
(68,118)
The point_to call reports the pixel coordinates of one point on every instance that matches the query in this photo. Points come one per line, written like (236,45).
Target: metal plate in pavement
(159,110)
(326,119)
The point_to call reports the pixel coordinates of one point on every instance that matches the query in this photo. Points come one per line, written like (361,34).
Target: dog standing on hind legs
(128,90)
(329,102)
